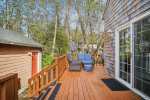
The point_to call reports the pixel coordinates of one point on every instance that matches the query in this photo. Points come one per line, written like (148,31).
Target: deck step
(49,93)
(45,94)
(38,97)
(35,98)
(54,92)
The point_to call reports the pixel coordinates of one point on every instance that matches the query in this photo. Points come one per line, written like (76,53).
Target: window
(142,55)
(124,38)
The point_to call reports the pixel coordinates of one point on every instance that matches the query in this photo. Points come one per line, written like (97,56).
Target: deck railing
(47,76)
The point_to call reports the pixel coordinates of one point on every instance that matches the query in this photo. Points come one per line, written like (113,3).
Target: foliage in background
(46,60)
(36,19)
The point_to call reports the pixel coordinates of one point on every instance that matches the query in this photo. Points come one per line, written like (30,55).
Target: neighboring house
(19,54)
(128,45)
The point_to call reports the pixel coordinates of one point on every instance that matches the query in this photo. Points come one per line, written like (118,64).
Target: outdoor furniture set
(83,60)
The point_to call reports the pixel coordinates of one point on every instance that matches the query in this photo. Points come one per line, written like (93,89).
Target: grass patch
(46,60)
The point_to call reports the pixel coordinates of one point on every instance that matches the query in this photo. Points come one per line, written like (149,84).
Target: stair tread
(50,92)
(54,92)
(45,93)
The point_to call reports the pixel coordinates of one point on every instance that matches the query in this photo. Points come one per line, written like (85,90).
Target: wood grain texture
(81,85)
(15,59)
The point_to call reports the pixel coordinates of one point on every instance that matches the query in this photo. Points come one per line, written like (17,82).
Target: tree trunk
(91,29)
(82,27)
(4,13)
(54,39)
(67,25)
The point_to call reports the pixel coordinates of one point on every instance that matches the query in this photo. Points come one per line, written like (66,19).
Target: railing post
(3,92)
(9,87)
(39,81)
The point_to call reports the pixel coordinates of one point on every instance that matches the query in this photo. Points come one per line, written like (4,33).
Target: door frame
(117,50)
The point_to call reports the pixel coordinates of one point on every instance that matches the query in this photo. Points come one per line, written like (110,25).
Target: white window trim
(130,24)
(39,61)
(117,53)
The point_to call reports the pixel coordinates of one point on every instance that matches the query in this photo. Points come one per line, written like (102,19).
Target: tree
(89,16)
(12,17)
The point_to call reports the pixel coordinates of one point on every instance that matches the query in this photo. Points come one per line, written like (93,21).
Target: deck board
(81,85)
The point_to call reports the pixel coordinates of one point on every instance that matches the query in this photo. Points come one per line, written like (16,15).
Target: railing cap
(7,77)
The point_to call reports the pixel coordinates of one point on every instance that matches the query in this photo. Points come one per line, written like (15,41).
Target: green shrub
(46,60)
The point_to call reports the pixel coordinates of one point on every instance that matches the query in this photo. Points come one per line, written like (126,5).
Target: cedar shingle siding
(15,59)
(118,12)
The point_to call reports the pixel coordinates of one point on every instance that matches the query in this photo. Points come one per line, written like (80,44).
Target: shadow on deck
(81,85)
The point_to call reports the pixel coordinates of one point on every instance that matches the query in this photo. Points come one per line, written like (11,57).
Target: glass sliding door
(142,55)
(125,55)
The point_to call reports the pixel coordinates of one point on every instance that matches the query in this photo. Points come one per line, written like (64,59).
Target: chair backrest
(88,57)
(69,57)
(84,57)
(81,57)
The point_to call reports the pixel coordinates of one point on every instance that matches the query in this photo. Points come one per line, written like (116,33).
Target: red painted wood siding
(34,63)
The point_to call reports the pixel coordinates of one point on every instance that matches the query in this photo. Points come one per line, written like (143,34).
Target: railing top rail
(41,72)
(47,68)
(61,56)
(47,76)
(7,77)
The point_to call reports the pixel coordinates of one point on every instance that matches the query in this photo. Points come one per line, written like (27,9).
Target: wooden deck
(81,85)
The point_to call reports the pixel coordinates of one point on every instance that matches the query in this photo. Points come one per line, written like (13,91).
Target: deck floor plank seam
(71,90)
(89,88)
(86,94)
(81,94)
(81,85)
(76,91)
(66,90)
(60,92)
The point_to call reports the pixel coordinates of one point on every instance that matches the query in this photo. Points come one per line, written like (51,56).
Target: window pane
(128,78)
(137,49)
(146,24)
(137,27)
(145,62)
(122,42)
(146,36)
(146,88)
(137,61)
(138,84)
(138,38)
(122,66)
(123,75)
(137,72)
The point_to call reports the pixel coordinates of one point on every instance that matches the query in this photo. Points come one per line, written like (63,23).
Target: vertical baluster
(46,77)
(34,85)
(29,88)
(38,85)
(52,74)
(38,82)
(61,64)
(58,67)
(66,64)
(57,75)
(41,80)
